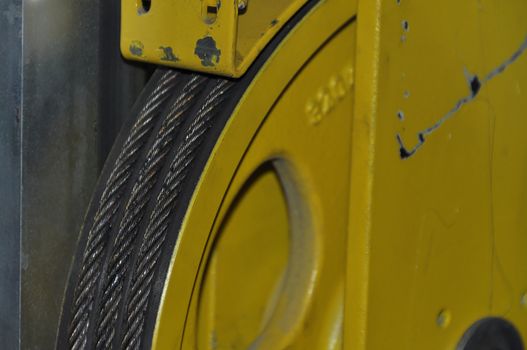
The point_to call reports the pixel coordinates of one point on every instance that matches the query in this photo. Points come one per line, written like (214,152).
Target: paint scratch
(207,51)
(168,54)
(475,84)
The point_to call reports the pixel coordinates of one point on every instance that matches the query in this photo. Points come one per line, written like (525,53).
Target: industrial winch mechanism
(312,175)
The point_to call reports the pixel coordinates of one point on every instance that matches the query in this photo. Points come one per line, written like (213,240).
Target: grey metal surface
(64,91)
(491,333)
(10,56)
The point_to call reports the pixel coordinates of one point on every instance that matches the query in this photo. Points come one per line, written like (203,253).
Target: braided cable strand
(156,231)
(136,209)
(109,204)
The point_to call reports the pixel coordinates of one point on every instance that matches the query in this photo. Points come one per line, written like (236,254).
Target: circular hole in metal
(259,272)
(405,25)
(491,333)
(143,6)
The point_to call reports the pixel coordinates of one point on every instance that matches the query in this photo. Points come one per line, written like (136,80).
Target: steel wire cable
(109,204)
(159,220)
(136,209)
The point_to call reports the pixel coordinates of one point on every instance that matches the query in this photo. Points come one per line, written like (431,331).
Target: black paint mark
(403,152)
(274,22)
(475,85)
(405,25)
(168,54)
(212,10)
(145,6)
(207,51)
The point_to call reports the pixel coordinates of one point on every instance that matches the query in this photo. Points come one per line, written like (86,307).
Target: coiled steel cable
(156,231)
(136,207)
(109,204)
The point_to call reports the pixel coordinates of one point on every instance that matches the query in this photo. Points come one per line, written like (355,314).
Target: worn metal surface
(10,53)
(296,116)
(213,36)
(257,298)
(438,228)
(76,92)
(77,318)
(438,166)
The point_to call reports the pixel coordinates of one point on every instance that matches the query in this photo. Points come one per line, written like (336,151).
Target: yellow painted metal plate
(247,267)
(212,36)
(311,158)
(435,225)
(437,221)
(322,305)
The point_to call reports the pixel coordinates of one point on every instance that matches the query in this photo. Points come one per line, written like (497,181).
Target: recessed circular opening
(210,14)
(260,266)
(143,6)
(490,334)
(405,25)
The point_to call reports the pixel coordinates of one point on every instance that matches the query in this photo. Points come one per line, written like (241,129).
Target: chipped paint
(405,25)
(474,84)
(136,48)
(242,5)
(219,26)
(168,54)
(207,51)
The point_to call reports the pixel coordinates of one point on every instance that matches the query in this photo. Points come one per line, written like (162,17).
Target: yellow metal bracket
(211,36)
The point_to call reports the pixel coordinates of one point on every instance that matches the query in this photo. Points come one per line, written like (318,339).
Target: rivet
(443,318)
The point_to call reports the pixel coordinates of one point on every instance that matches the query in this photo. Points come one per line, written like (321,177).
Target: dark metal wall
(10,163)
(64,92)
